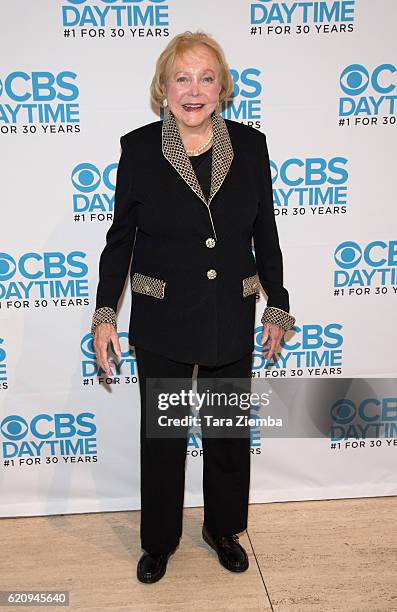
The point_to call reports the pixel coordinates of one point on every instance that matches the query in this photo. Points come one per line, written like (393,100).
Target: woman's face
(193,86)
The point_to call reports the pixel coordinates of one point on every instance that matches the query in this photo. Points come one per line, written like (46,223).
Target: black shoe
(230,552)
(151,568)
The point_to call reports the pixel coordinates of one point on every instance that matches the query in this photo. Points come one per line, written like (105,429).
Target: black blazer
(193,275)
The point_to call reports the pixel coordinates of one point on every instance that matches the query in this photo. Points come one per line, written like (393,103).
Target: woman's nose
(194,87)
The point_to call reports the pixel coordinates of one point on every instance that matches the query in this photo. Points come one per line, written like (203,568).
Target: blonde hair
(177,45)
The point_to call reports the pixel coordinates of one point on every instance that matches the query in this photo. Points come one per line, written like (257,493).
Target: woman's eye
(180,79)
(208,78)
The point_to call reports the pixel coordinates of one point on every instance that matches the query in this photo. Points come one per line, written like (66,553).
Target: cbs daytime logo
(245,105)
(277,17)
(115,18)
(93,199)
(310,186)
(124,369)
(369,269)
(39,102)
(3,366)
(368,95)
(39,280)
(48,437)
(370,418)
(310,350)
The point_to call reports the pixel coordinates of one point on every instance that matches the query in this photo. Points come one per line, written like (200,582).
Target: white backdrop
(320,80)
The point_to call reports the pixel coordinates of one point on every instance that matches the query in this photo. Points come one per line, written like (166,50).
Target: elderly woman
(192,191)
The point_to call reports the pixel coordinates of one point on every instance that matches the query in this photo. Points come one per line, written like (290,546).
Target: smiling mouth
(192,107)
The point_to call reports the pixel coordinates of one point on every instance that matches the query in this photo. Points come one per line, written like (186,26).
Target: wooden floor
(304,556)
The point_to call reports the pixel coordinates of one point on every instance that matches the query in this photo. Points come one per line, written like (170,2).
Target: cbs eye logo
(87,346)
(14,427)
(343,411)
(7,266)
(355,79)
(348,255)
(86,177)
(3,354)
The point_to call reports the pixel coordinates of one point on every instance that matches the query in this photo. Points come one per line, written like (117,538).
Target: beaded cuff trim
(103,315)
(278,316)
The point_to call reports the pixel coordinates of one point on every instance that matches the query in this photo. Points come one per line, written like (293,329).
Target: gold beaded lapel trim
(222,154)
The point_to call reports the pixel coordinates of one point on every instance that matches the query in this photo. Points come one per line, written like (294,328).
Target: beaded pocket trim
(148,285)
(250,285)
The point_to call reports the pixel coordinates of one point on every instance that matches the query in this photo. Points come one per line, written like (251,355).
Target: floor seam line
(260,572)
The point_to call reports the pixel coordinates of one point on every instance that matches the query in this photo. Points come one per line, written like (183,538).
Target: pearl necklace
(197,151)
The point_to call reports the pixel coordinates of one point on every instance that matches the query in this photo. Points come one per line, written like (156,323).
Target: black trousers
(226,463)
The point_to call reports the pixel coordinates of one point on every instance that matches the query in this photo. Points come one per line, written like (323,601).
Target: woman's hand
(105,332)
(273,333)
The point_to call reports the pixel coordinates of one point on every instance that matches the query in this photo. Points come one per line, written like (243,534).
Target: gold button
(211,273)
(210,243)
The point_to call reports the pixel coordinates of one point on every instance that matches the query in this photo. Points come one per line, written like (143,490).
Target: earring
(165,102)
